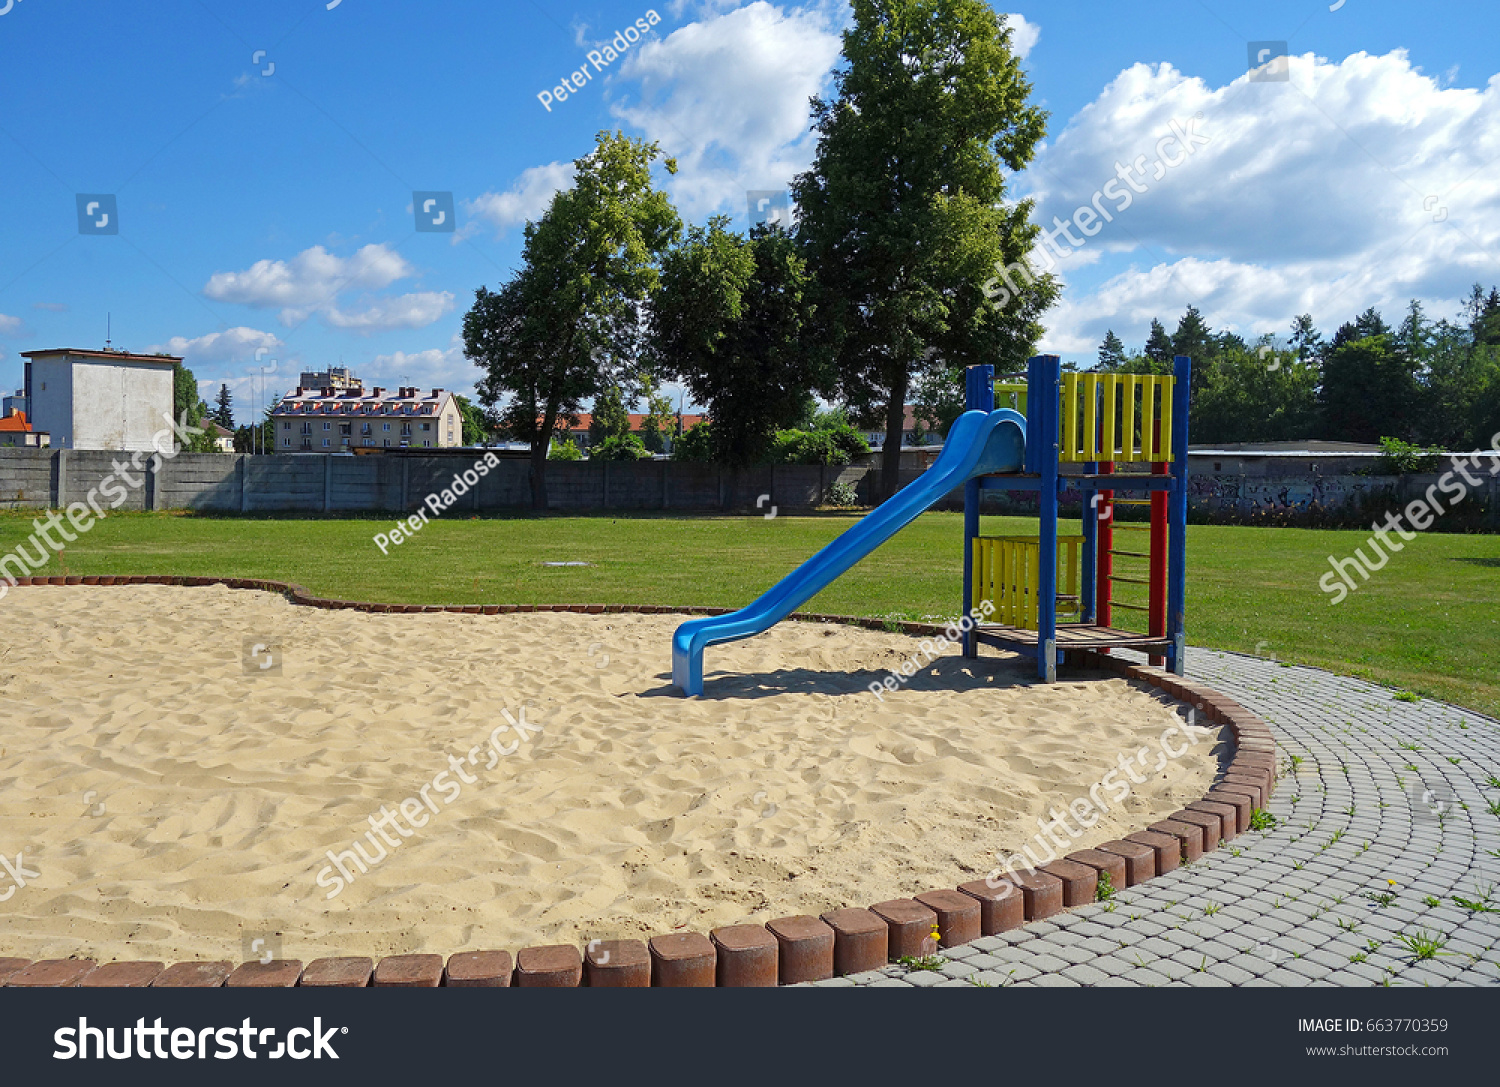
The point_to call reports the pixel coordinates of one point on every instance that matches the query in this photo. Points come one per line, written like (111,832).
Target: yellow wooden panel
(1069,443)
(1164,452)
(1089,450)
(1107,424)
(1127,417)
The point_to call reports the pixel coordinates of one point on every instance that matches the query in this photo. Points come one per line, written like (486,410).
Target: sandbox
(185,769)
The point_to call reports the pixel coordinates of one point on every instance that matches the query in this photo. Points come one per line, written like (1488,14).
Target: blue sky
(263,158)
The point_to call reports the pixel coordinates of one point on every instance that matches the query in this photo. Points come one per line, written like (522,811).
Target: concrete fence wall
(241,483)
(317,484)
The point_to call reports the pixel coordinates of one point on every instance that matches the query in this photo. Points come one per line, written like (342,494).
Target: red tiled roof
(638,421)
(16,422)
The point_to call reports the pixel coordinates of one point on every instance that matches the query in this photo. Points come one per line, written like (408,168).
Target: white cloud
(728,97)
(51,307)
(525,200)
(312,281)
(10,326)
(1023,35)
(232,345)
(1356,183)
(404,311)
(435,368)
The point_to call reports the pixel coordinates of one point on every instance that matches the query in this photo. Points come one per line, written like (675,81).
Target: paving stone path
(1388,814)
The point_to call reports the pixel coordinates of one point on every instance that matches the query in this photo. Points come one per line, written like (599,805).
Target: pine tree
(1193,337)
(1111,352)
(1159,344)
(223,411)
(1307,341)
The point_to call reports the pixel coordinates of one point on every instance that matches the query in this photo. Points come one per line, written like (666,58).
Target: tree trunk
(539,474)
(895,428)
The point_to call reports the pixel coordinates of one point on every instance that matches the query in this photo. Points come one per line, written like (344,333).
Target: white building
(334,420)
(99,399)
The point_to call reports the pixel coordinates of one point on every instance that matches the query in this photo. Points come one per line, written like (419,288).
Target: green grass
(1426,623)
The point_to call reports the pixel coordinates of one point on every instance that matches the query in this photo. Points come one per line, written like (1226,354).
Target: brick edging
(782,951)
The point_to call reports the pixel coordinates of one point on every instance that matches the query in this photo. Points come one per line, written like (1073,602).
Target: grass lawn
(1428,622)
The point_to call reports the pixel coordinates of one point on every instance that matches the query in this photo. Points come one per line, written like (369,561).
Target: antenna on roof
(108,329)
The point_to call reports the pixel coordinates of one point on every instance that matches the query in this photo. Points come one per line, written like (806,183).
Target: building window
(286,441)
(406,430)
(325,443)
(344,428)
(426,445)
(306,427)
(286,426)
(327,426)
(369,441)
(365,428)
(386,443)
(385,426)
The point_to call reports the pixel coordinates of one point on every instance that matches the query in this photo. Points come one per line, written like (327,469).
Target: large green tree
(188,407)
(730,322)
(1369,390)
(568,325)
(904,218)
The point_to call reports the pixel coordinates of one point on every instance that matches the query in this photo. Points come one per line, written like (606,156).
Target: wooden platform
(1069,636)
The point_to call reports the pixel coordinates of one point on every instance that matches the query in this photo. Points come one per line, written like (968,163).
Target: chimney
(379,392)
(436,393)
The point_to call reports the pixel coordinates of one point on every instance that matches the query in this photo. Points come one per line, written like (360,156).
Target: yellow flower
(1391,882)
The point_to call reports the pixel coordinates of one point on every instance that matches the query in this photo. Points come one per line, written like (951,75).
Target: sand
(175,804)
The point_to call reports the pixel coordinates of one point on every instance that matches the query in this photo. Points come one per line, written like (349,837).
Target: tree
(1159,347)
(903,217)
(189,408)
(1194,339)
(609,419)
(660,421)
(1306,340)
(1243,399)
(224,409)
(729,322)
(566,449)
(1111,352)
(1368,391)
(568,325)
(478,428)
(246,440)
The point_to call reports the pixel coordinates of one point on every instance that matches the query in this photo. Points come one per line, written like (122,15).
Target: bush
(566,449)
(842,495)
(695,445)
(620,447)
(837,445)
(1402,458)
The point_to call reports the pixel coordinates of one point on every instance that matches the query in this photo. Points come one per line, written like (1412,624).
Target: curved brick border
(783,951)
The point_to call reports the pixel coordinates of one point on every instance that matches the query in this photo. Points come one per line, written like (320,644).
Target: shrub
(842,495)
(620,447)
(566,449)
(694,445)
(835,445)
(1402,458)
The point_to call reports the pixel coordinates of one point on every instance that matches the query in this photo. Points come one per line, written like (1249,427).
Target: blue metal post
(979,395)
(1177,503)
(1042,398)
(1089,514)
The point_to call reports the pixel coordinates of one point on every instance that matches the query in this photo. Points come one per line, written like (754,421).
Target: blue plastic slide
(978,444)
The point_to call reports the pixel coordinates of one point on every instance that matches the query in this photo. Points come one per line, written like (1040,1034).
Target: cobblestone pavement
(1388,823)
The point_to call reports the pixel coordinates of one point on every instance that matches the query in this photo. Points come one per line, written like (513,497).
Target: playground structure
(1051,594)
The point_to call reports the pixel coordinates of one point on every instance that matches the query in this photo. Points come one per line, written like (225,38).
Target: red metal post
(1105,566)
(1158,576)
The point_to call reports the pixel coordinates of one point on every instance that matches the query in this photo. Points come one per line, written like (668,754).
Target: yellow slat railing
(1007,571)
(1126,418)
